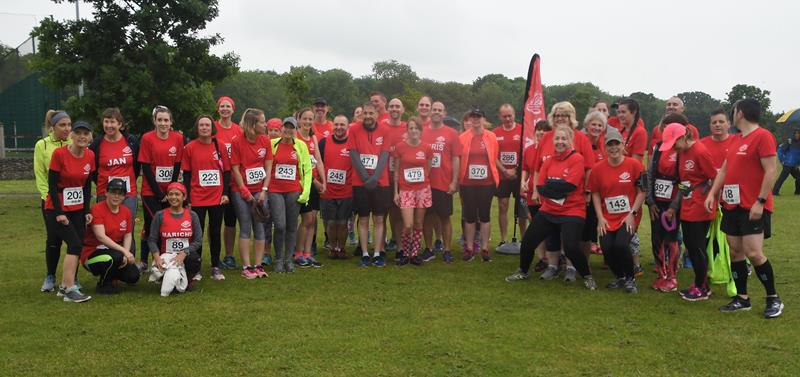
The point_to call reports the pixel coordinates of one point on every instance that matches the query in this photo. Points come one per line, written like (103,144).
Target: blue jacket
(789,154)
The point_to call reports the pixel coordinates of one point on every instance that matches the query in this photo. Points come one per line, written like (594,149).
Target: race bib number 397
(662,189)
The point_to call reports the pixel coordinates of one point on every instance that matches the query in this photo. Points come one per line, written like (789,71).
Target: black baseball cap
(477,112)
(81,124)
(117,184)
(320,101)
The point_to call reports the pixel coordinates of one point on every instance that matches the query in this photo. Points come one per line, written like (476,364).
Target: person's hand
(756,211)
(224,200)
(128,258)
(630,223)
(653,212)
(62,219)
(158,262)
(523,190)
(178,260)
(320,187)
(261,197)
(535,196)
(89,218)
(709,203)
(397,199)
(587,197)
(452,188)
(602,225)
(245,193)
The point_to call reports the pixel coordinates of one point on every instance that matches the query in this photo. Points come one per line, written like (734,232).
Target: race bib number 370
(478,172)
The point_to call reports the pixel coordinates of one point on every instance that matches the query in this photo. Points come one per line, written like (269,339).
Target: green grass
(454,320)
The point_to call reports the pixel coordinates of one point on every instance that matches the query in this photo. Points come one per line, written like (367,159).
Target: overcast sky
(662,47)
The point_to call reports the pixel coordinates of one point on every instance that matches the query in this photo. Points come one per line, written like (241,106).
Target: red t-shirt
(250,157)
(570,168)
(508,143)
(655,137)
(636,143)
(718,149)
(338,169)
(397,134)
(445,146)
(162,155)
(599,149)
(72,175)
(413,165)
(696,167)
(207,169)
(617,188)
(175,234)
(117,225)
(743,172)
(581,144)
(479,173)
(322,130)
(665,182)
(115,161)
(225,136)
(285,170)
(528,162)
(311,144)
(369,144)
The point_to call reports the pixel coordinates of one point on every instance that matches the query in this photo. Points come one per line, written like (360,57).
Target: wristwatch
(762,200)
(635,212)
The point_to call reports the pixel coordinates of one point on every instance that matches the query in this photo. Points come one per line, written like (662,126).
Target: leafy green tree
(135,54)
(297,90)
(338,88)
(741,91)
(393,78)
(258,89)
(650,107)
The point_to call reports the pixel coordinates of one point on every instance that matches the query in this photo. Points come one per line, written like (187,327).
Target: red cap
(226,98)
(274,123)
(177,186)
(672,132)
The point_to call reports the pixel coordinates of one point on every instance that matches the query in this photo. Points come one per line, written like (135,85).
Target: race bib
(414,175)
(663,188)
(228,149)
(730,194)
(127,180)
(436,161)
(286,172)
(617,204)
(163,174)
(370,161)
(478,172)
(176,245)
(255,175)
(73,196)
(208,178)
(337,176)
(508,158)
(687,184)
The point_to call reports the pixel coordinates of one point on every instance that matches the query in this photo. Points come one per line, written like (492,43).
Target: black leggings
(151,205)
(540,229)
(696,240)
(105,264)
(477,203)
(71,234)
(215,215)
(616,247)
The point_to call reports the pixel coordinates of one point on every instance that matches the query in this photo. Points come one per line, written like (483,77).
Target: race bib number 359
(255,175)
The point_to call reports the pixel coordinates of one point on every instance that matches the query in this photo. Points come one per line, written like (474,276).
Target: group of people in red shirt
(582,187)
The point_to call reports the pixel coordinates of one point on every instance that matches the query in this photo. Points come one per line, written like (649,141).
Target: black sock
(764,273)
(739,274)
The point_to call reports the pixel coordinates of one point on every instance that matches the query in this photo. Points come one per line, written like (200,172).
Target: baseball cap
(477,112)
(81,124)
(290,121)
(117,184)
(672,132)
(274,123)
(612,134)
(320,101)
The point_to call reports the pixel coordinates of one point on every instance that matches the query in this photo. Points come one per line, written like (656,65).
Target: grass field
(342,320)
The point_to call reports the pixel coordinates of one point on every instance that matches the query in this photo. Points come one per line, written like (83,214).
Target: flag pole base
(510,248)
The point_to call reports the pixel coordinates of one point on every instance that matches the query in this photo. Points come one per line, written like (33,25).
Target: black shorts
(476,203)
(230,215)
(313,201)
(442,203)
(375,202)
(590,225)
(507,187)
(737,223)
(336,210)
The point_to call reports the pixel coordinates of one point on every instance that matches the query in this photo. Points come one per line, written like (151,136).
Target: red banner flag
(534,110)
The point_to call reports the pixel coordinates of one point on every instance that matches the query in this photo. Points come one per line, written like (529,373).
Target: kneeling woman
(617,195)
(412,188)
(107,247)
(175,236)
(560,185)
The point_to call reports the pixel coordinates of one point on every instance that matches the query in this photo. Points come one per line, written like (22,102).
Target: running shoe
(364,261)
(216,274)
(485,256)
(61,291)
(398,256)
(696,294)
(77,284)
(403,261)
(468,256)
(288,266)
(447,257)
(266,260)
(570,274)
(249,273)
(517,276)
(278,267)
(379,261)
(108,289)
(589,283)
(427,255)
(737,304)
(438,246)
(774,307)
(391,245)
(630,286)
(616,283)
(313,262)
(49,283)
(670,285)
(550,273)
(638,271)
(261,273)
(302,262)
(228,263)
(197,277)
(540,266)
(328,245)
(416,260)
(142,267)
(595,249)
(501,244)
(74,294)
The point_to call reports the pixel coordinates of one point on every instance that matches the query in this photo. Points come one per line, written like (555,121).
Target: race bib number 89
(176,245)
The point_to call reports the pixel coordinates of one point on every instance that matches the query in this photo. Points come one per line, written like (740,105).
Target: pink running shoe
(249,273)
(260,272)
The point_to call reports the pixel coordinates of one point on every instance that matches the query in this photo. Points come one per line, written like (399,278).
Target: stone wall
(16,168)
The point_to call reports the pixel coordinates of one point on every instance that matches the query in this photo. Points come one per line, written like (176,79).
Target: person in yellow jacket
(289,187)
(58,124)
